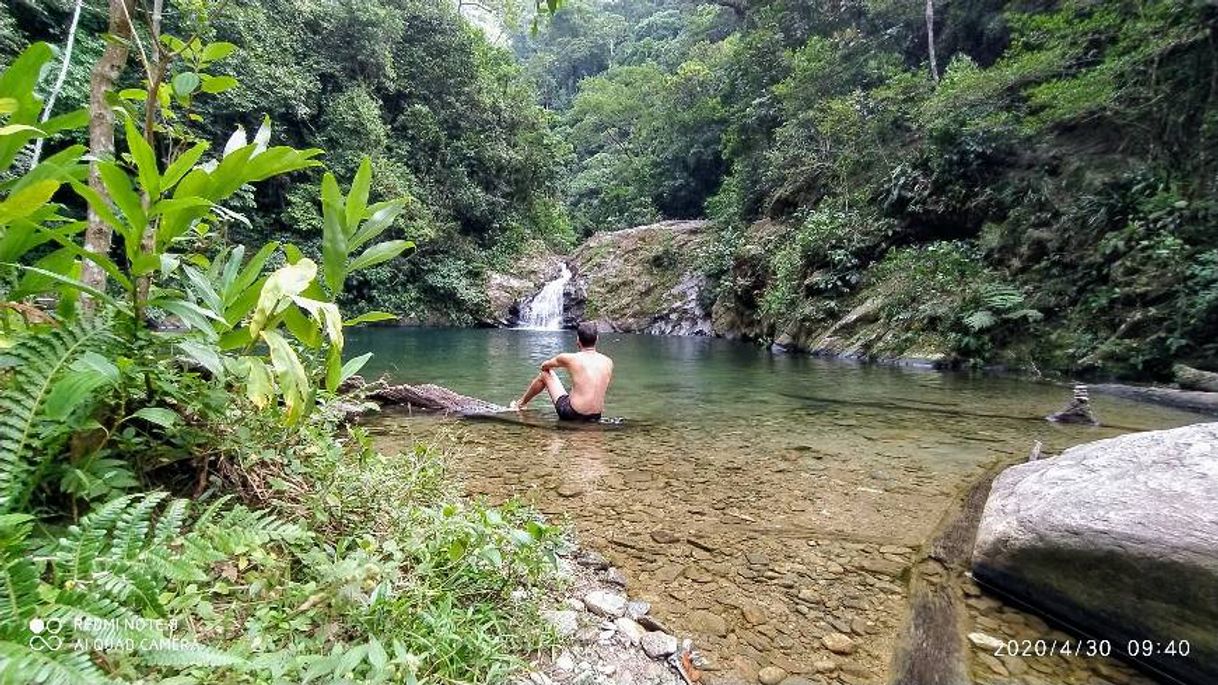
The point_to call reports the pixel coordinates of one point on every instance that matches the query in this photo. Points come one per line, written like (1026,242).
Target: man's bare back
(591,373)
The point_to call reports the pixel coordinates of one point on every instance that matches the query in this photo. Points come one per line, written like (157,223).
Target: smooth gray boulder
(1117,538)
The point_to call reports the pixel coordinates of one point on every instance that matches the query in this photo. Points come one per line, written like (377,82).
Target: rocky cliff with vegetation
(988,182)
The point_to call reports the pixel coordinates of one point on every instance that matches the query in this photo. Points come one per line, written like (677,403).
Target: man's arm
(555,362)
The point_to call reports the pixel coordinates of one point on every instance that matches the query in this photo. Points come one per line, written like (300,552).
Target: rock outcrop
(1119,538)
(642,280)
(1189,378)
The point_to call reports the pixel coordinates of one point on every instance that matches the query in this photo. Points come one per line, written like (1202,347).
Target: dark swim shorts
(567,413)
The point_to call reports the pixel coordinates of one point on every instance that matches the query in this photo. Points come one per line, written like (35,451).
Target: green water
(708,382)
(744,483)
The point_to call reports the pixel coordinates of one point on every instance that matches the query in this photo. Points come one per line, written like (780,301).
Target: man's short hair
(587,334)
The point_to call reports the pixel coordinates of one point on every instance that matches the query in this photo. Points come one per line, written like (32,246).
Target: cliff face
(645,279)
(651,279)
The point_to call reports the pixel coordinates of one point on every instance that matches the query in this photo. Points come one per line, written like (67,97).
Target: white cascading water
(544,311)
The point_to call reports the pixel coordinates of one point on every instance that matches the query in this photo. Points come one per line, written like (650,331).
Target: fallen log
(429,397)
(426,397)
(1191,400)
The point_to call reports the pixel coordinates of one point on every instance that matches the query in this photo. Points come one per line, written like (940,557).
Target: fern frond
(980,320)
(18,575)
(20,665)
(40,360)
(193,654)
(131,533)
(170,523)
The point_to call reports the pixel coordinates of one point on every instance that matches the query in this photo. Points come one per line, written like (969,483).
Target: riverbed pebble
(564,622)
(604,603)
(707,623)
(637,608)
(838,643)
(771,675)
(631,630)
(658,645)
(985,642)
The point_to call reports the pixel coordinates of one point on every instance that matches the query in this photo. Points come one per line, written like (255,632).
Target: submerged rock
(1118,537)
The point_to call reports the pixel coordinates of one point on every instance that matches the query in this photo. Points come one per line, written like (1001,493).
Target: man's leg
(546,380)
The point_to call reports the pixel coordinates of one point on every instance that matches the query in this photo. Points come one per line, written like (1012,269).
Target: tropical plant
(101,586)
(56,376)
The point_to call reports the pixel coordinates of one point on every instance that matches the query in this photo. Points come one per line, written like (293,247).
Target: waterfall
(544,311)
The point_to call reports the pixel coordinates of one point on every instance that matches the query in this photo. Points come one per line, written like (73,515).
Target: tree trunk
(930,39)
(101,135)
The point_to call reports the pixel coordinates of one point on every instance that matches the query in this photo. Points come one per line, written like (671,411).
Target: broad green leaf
(293,380)
(8,105)
(72,282)
(19,128)
(201,288)
(349,369)
(205,355)
(370,317)
(27,200)
(377,656)
(357,200)
(145,160)
(118,185)
(327,316)
(282,285)
(61,261)
(216,51)
(381,252)
(304,328)
(217,84)
(177,204)
(66,121)
(186,83)
(191,314)
(258,386)
(87,375)
(334,235)
(235,339)
(251,272)
(184,163)
(159,415)
(383,216)
(292,253)
(102,261)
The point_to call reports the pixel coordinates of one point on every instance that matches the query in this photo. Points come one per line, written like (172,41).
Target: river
(759,501)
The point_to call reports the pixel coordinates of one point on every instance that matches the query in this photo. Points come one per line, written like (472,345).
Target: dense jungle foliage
(445,116)
(1039,190)
(180,498)
(1049,166)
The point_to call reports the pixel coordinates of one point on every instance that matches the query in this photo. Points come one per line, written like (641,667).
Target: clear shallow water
(704,381)
(759,501)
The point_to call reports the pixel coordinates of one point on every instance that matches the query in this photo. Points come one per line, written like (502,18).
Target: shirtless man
(590,372)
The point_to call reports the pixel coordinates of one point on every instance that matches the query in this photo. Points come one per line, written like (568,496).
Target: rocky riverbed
(797,568)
